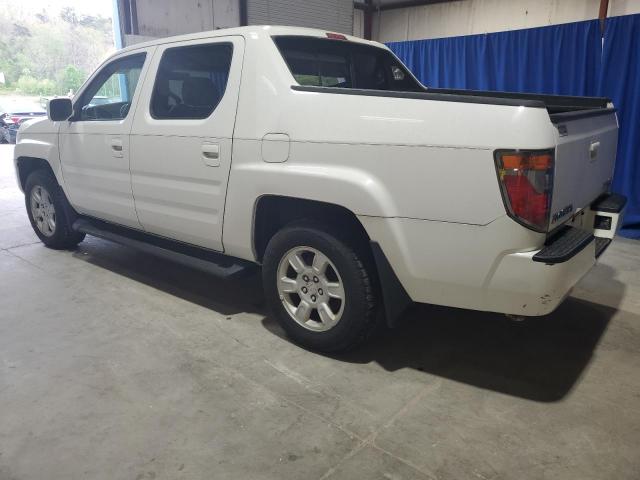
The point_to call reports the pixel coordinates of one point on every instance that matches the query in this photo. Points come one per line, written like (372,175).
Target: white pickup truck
(321,158)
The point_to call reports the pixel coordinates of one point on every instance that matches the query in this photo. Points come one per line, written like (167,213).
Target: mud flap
(396,300)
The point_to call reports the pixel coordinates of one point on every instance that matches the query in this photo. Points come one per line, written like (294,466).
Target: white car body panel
(97,177)
(41,142)
(476,267)
(179,192)
(419,175)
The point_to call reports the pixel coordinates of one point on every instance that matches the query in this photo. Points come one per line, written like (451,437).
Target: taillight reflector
(336,36)
(526,181)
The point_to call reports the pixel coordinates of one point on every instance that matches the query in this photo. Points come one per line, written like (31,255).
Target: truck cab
(321,159)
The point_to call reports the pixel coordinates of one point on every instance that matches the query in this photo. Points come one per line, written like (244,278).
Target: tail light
(526,182)
(15,119)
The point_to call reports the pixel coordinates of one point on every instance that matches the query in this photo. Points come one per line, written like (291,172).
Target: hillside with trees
(50,53)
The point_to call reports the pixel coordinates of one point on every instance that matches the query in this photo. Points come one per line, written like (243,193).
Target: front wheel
(46,210)
(318,288)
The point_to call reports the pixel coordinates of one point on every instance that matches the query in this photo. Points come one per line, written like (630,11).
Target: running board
(211,262)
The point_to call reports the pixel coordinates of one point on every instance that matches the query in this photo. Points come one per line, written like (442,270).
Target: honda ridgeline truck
(322,159)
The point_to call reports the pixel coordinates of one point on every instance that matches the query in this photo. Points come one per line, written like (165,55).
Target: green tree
(71,78)
(39,49)
(32,86)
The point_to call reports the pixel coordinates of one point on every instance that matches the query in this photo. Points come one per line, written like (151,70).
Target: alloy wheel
(311,289)
(43,211)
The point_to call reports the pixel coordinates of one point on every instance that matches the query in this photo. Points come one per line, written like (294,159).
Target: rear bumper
(477,267)
(537,282)
(523,286)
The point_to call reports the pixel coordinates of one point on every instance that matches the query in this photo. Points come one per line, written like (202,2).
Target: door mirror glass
(59,109)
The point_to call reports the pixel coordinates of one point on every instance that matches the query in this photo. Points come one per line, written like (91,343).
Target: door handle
(116,147)
(211,154)
(593,150)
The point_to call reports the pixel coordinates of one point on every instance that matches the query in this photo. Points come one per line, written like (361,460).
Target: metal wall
(334,15)
(142,20)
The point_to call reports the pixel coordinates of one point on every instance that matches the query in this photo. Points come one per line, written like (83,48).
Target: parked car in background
(357,189)
(19,110)
(13,112)
(9,133)
(4,123)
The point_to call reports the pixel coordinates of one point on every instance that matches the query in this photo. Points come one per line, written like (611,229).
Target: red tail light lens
(526,181)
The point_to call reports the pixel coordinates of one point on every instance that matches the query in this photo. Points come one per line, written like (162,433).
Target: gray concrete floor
(117,365)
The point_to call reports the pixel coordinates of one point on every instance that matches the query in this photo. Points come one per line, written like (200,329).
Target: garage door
(333,15)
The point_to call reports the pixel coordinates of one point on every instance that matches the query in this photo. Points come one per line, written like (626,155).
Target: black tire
(358,320)
(62,236)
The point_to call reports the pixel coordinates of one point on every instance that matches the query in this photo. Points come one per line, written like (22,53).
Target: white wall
(468,17)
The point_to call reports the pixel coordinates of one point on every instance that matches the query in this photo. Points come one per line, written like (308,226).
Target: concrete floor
(116,365)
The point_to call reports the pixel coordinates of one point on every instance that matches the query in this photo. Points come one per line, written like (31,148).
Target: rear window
(323,62)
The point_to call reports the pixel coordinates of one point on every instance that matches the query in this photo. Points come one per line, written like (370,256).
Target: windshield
(324,62)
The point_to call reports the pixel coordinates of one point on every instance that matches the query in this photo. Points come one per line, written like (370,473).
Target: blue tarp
(567,59)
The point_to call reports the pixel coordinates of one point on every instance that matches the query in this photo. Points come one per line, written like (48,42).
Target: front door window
(109,95)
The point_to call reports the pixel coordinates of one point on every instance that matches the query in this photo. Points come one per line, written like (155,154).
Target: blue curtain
(559,59)
(620,81)
(566,59)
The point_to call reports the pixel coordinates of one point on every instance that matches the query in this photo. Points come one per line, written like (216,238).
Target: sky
(87,7)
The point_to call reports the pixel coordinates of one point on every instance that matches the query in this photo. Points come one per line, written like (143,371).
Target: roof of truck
(254,31)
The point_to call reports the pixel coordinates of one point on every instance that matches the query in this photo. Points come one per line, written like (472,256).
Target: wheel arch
(27,165)
(273,212)
(36,150)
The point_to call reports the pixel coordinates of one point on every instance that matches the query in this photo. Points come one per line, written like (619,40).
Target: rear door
(182,138)
(94,144)
(584,161)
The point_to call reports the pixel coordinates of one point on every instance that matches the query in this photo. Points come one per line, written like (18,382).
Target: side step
(609,203)
(202,259)
(564,245)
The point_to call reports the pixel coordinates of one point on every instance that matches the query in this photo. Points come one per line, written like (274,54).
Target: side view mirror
(59,109)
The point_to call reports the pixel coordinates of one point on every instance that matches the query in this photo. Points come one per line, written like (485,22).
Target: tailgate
(584,160)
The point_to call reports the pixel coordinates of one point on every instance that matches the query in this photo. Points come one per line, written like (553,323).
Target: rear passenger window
(191,81)
(324,62)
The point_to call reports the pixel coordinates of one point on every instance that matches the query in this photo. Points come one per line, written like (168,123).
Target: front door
(182,137)
(94,143)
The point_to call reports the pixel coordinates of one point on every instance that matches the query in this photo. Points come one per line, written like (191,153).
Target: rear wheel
(318,288)
(46,204)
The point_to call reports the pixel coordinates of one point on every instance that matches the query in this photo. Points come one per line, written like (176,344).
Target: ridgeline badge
(562,213)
